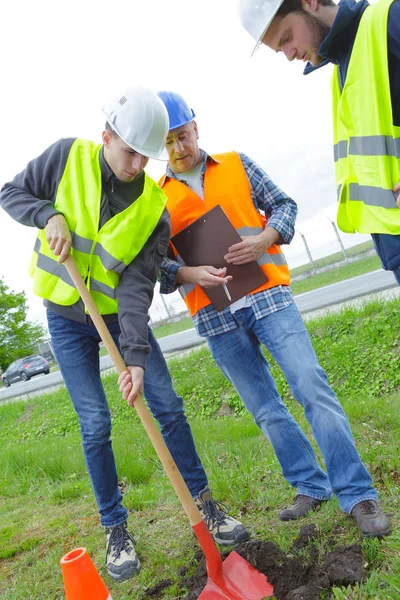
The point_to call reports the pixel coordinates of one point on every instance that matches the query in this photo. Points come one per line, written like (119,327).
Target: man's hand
(206,276)
(252,247)
(58,236)
(249,250)
(131,383)
(397,189)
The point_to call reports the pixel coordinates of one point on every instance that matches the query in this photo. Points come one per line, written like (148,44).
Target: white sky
(62,61)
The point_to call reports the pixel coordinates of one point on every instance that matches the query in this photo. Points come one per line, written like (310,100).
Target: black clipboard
(205,242)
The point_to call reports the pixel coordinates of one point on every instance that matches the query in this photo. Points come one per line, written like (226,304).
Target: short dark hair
(109,128)
(290,6)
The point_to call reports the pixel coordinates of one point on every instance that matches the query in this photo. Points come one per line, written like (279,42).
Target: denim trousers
(238,355)
(396,273)
(387,247)
(76,348)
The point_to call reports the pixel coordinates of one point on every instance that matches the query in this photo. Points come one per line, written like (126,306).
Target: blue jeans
(396,273)
(238,354)
(76,348)
(387,247)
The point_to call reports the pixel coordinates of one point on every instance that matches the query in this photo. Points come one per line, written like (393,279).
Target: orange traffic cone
(81,578)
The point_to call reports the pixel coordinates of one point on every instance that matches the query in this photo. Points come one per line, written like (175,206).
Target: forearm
(30,197)
(270,236)
(25,208)
(278,207)
(135,294)
(283,222)
(186,274)
(167,276)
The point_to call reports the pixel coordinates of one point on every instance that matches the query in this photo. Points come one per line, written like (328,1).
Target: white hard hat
(140,119)
(256,16)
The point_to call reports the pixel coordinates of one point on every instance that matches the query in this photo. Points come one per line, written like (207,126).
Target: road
(344,291)
(327,296)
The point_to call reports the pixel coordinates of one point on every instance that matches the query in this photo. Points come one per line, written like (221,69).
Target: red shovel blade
(233,579)
(238,581)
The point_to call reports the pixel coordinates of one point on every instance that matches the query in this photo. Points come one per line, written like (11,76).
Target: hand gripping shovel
(232,579)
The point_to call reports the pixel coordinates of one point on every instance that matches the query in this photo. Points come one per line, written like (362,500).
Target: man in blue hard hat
(194,183)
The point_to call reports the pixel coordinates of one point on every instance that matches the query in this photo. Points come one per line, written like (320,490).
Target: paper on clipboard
(206,242)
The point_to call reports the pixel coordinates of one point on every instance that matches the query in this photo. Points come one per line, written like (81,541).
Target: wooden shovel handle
(154,434)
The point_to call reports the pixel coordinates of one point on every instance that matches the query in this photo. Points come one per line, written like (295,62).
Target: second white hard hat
(140,119)
(256,16)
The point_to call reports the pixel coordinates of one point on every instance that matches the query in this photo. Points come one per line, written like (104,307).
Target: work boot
(300,508)
(225,530)
(121,558)
(371,520)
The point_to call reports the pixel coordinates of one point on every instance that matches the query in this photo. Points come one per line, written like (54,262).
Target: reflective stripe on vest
(101,255)
(366,142)
(225,184)
(371,196)
(369,145)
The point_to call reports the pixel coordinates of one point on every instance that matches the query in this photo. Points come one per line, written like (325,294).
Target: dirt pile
(302,574)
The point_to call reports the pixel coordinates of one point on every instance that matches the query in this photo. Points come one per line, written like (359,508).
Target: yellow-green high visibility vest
(366,143)
(101,255)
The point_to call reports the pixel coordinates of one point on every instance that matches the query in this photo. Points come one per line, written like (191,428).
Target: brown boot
(371,520)
(300,508)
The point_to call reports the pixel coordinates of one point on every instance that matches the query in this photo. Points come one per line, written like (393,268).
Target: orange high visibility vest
(226,184)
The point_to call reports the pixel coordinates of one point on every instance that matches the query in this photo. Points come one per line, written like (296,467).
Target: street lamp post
(346,258)
(165,306)
(307,250)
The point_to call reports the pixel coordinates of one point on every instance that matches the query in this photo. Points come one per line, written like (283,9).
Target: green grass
(332,258)
(170,328)
(364,265)
(47,506)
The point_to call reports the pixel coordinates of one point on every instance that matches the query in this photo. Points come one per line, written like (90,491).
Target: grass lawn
(47,506)
(170,328)
(364,265)
(332,258)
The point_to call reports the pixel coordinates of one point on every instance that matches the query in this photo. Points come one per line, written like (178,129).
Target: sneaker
(371,520)
(225,530)
(121,558)
(301,506)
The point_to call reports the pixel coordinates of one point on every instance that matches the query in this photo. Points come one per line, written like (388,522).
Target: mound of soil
(294,576)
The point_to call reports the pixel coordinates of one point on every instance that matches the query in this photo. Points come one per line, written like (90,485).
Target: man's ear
(194,125)
(310,6)
(106,137)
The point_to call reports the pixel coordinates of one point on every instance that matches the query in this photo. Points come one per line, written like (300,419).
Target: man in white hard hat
(363,42)
(196,182)
(96,202)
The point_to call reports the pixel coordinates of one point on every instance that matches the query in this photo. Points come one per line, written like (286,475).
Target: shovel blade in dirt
(239,581)
(232,579)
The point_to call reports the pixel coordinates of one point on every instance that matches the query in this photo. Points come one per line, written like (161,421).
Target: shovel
(231,579)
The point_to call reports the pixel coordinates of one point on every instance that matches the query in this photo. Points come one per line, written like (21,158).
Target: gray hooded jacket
(29,199)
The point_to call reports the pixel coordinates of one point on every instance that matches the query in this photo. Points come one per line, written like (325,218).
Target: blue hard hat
(178,111)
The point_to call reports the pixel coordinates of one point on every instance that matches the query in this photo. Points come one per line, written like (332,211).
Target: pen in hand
(226,290)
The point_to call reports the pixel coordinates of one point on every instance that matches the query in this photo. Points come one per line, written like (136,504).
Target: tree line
(18,336)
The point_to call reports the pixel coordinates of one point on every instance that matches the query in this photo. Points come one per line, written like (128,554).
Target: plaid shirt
(281,212)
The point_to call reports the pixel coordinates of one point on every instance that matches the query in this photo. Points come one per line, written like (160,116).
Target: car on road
(25,368)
